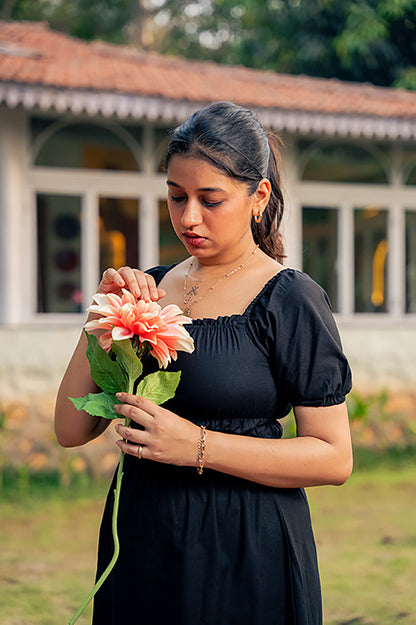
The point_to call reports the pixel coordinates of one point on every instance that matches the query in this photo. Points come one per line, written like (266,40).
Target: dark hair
(233,140)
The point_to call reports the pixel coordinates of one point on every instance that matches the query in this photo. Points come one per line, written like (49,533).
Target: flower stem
(116,540)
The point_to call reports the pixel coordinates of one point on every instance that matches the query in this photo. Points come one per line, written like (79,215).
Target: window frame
(148,187)
(395,196)
(89,185)
(396,200)
(372,150)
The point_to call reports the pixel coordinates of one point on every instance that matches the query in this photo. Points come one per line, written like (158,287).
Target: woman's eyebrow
(218,189)
(178,186)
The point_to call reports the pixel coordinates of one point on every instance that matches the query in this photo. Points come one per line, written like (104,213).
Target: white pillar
(292,220)
(148,231)
(90,241)
(13,155)
(396,236)
(345,260)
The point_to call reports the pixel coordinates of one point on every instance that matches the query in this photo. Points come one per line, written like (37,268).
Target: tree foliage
(358,40)
(108,20)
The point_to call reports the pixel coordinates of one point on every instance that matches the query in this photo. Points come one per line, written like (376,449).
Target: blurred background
(88,93)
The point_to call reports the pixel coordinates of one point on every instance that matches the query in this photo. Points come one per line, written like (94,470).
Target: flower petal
(127,297)
(125,317)
(105,341)
(120,333)
(101,299)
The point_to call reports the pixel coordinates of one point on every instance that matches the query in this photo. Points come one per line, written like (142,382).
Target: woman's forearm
(74,427)
(311,459)
(287,463)
(321,454)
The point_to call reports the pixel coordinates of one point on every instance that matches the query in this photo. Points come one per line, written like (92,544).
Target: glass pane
(119,232)
(411,261)
(84,146)
(408,154)
(162,137)
(59,253)
(343,163)
(320,237)
(371,248)
(171,249)
(411,180)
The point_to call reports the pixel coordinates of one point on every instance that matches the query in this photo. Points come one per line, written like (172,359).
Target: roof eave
(153,108)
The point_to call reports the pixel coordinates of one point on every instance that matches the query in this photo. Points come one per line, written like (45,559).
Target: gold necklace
(188,295)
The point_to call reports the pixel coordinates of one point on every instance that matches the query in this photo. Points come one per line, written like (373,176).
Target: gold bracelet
(202,444)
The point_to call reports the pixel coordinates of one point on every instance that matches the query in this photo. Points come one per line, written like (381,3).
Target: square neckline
(237,316)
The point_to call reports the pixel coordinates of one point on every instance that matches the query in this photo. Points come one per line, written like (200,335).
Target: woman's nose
(191,215)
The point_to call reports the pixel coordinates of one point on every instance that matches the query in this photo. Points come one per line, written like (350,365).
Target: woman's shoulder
(293,288)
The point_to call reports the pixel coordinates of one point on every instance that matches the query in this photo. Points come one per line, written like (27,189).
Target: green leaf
(105,372)
(127,358)
(97,405)
(159,386)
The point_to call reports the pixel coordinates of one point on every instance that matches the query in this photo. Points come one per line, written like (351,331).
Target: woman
(232,542)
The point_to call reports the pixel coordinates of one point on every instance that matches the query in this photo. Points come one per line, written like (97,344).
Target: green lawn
(365,531)
(366,536)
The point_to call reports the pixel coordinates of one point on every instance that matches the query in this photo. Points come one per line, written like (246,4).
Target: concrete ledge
(33,359)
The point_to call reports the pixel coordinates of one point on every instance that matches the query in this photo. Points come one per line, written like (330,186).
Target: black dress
(213,549)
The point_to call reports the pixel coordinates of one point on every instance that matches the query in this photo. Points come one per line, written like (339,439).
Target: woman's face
(210,212)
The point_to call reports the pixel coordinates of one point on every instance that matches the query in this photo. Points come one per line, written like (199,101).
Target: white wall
(33,359)
(381,355)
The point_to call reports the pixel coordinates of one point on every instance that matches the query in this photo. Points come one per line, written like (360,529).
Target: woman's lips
(193,239)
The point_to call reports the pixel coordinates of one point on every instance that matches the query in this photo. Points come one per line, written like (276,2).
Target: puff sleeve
(309,365)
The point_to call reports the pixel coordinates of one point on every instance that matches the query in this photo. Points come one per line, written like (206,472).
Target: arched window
(60,225)
(341,163)
(84,146)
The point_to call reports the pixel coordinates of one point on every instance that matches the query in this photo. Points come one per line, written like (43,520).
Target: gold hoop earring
(257,218)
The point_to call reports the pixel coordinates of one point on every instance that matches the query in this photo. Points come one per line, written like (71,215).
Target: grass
(366,536)
(365,532)
(47,544)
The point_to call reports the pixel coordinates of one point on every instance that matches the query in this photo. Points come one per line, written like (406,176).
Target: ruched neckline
(237,317)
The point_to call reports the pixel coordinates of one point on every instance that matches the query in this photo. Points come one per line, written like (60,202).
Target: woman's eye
(177,198)
(211,204)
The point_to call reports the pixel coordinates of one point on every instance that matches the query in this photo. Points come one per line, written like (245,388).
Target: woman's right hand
(140,284)
(73,427)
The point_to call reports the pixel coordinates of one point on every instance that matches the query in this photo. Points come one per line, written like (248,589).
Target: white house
(83,130)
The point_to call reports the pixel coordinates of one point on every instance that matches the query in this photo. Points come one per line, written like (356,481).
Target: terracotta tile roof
(32,54)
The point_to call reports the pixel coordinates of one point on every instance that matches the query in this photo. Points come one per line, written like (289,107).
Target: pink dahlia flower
(125,317)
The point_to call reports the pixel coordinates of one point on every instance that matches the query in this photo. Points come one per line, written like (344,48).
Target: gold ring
(140,452)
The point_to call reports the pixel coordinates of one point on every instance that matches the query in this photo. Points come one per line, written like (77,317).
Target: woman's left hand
(166,437)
